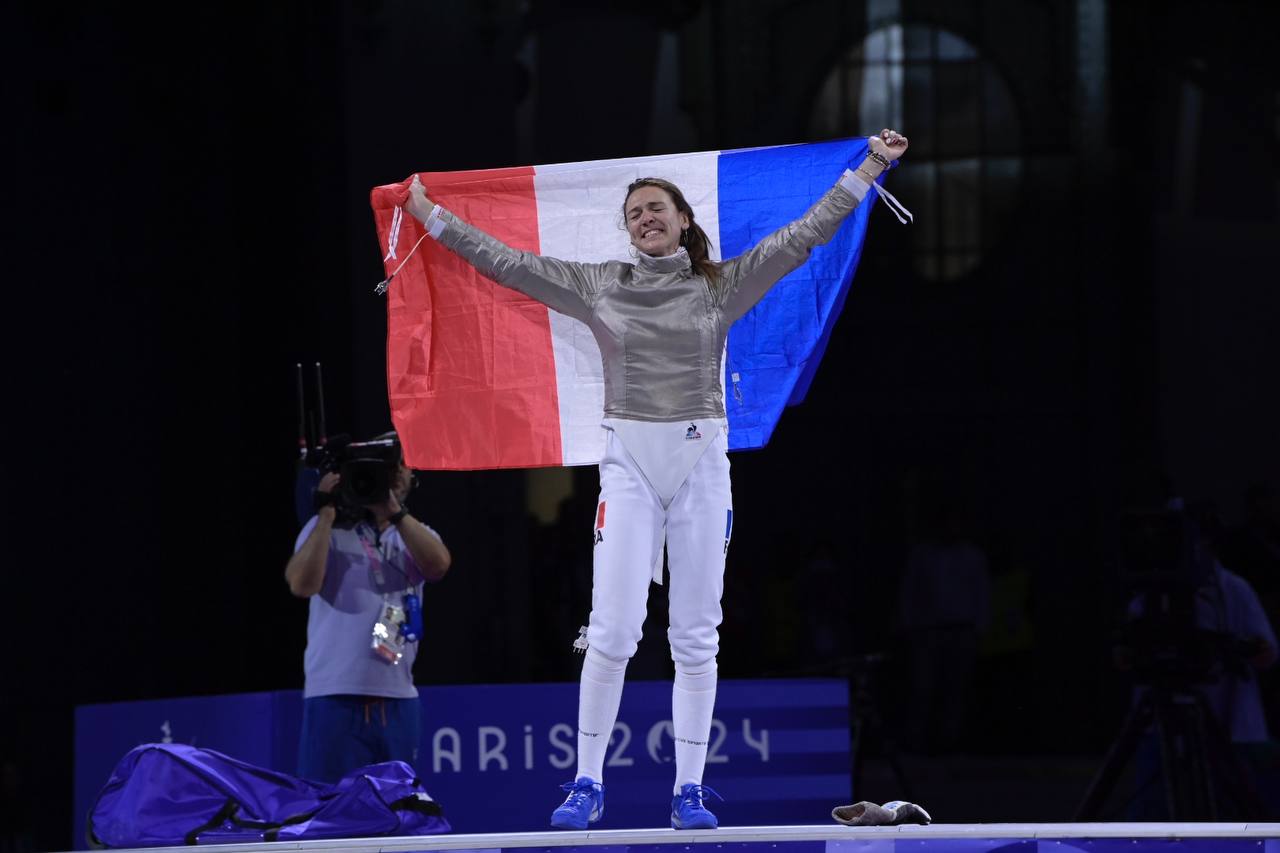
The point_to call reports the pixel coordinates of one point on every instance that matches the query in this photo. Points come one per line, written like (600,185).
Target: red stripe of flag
(470,367)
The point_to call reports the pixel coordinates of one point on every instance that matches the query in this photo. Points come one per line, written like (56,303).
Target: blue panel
(966,845)
(1150,845)
(942,844)
(726,847)
(761,778)
(777,346)
(779,749)
(862,845)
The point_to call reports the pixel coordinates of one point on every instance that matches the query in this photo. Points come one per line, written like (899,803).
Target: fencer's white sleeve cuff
(859,187)
(435,223)
(854,184)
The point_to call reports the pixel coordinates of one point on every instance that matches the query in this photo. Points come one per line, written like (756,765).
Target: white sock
(599,694)
(693,699)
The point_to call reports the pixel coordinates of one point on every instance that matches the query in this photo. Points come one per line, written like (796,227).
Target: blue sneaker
(584,805)
(687,810)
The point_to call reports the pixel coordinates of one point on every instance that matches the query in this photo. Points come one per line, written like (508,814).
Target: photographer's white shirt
(339,659)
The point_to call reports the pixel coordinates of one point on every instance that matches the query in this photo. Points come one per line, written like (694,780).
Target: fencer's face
(654,223)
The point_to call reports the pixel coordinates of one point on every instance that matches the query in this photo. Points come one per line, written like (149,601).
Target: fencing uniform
(664,479)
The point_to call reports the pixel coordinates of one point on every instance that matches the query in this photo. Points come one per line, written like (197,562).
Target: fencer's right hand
(418,204)
(888,144)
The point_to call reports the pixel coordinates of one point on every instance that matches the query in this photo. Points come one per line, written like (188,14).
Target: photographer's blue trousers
(341,733)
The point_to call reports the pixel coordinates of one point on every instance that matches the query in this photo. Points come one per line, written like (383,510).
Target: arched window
(964,169)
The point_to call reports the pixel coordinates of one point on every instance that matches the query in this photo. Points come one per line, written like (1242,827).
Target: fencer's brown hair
(694,239)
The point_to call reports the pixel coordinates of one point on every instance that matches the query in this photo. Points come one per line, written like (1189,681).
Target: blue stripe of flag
(775,349)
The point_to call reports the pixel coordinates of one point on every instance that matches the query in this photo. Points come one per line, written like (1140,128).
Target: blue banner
(495,755)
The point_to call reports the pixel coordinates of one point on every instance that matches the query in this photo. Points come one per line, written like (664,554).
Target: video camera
(1165,569)
(367,468)
(1162,549)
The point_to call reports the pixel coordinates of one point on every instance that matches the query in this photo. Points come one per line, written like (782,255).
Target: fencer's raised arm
(745,280)
(565,286)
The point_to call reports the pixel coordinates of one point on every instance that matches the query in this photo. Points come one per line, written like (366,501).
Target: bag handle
(228,810)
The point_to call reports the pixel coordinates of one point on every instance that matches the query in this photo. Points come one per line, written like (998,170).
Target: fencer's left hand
(889,144)
(417,203)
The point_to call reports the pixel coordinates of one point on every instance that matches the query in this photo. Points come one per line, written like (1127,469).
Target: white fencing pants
(632,525)
(633,521)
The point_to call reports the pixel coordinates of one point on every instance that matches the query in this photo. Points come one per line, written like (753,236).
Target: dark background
(187,218)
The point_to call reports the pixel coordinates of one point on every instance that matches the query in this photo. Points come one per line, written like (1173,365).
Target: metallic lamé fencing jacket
(660,325)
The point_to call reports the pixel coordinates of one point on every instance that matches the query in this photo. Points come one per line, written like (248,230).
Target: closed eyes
(636,211)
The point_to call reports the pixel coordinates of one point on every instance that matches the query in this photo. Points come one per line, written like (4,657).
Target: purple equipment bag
(163,794)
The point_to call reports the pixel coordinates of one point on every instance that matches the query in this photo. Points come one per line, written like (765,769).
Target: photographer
(362,562)
(1225,605)
(1208,644)
(1228,604)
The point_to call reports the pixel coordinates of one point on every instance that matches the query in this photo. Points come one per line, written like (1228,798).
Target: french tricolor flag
(480,376)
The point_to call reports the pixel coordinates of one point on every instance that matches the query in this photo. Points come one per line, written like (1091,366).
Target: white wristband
(435,224)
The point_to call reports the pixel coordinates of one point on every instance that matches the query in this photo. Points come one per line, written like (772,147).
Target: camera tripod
(1197,765)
